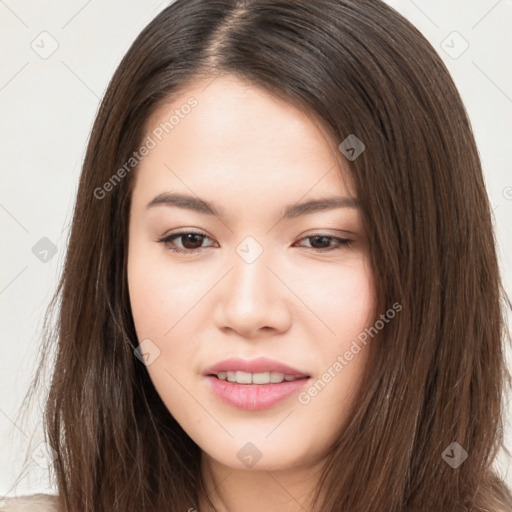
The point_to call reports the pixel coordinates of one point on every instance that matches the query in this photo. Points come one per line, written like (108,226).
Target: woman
(281,290)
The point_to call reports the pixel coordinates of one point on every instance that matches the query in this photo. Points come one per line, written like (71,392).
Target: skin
(251,154)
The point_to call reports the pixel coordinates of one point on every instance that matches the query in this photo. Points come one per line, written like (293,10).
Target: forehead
(239,138)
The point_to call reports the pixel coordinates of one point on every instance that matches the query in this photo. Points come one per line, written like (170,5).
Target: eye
(191,241)
(327,242)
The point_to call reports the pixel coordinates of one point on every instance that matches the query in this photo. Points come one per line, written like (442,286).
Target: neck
(239,490)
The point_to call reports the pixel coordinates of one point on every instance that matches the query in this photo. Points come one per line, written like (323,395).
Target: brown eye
(326,243)
(190,241)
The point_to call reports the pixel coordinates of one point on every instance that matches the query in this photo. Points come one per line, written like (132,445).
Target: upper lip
(259,365)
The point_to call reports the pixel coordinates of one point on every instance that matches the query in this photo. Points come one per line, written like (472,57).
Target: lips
(260,365)
(254,397)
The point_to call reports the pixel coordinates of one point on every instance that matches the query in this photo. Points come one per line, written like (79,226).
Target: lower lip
(254,397)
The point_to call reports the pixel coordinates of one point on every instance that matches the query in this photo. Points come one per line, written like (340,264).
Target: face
(230,279)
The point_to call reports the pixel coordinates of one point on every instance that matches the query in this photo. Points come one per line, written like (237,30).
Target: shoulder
(33,503)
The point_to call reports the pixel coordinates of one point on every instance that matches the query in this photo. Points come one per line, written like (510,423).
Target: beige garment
(33,503)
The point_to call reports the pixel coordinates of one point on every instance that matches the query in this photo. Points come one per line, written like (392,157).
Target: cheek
(344,302)
(341,297)
(333,303)
(147,300)
(159,300)
(160,293)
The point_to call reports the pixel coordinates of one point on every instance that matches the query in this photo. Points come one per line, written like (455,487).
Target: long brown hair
(435,376)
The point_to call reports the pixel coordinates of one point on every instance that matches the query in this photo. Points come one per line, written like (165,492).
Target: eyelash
(342,242)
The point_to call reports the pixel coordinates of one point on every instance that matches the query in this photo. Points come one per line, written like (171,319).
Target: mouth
(260,378)
(261,371)
(254,384)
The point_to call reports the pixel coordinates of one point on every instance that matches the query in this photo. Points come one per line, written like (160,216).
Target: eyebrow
(292,211)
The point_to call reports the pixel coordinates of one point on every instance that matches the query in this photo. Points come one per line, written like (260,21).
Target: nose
(253,301)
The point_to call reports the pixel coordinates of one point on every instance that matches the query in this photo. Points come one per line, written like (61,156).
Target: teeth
(243,377)
(275,377)
(255,378)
